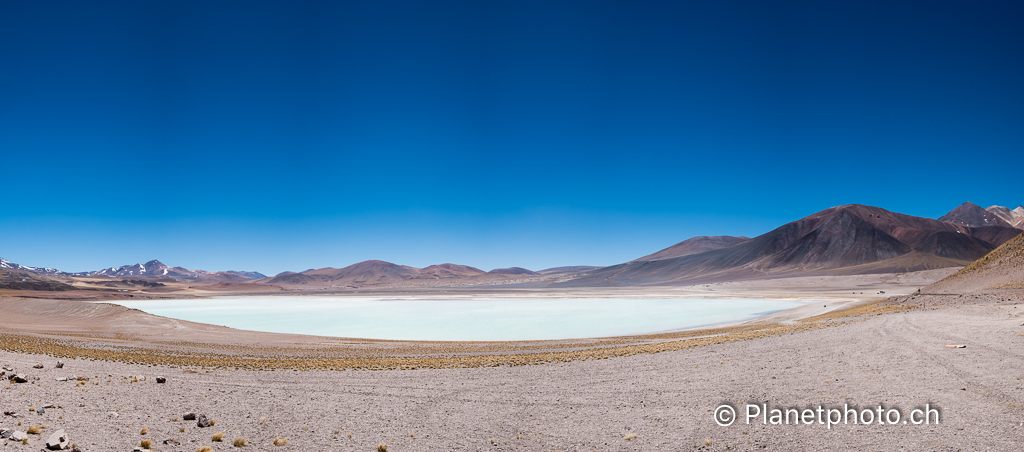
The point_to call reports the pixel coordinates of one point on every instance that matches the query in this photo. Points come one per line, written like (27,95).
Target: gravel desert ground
(892,354)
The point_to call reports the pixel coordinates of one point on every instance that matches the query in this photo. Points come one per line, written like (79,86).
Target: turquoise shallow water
(464,320)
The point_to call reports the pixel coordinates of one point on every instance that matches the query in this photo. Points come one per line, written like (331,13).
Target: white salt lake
(498,319)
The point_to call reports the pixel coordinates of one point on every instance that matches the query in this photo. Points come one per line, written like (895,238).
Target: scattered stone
(161,380)
(49,405)
(61,378)
(58,440)
(41,411)
(19,378)
(59,365)
(37,366)
(4,434)
(8,413)
(202,421)
(189,416)
(172,442)
(18,436)
(8,368)
(113,415)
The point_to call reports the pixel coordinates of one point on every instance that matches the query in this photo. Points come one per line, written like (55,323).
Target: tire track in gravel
(948,364)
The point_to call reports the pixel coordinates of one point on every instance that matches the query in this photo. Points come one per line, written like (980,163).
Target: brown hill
(1003,268)
(848,239)
(973,216)
(695,245)
(366,272)
(440,271)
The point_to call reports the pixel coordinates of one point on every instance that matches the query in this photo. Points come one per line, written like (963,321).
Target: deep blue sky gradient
(278,136)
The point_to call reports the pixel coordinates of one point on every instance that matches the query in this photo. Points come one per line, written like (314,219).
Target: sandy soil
(893,354)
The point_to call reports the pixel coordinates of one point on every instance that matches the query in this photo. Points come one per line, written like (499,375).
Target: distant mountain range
(850,239)
(152,269)
(374,272)
(157,269)
(4,263)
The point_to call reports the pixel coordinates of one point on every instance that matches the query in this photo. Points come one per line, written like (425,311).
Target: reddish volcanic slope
(847,239)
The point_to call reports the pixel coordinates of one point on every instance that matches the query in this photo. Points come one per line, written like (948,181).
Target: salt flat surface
(505,319)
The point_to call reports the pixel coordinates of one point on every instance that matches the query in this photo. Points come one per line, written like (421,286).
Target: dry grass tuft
(146,444)
(218,437)
(239,442)
(24,441)
(263,419)
(144,431)
(35,430)
(280,441)
(629,436)
(708,442)
(382,447)
(181,430)
(205,449)
(213,422)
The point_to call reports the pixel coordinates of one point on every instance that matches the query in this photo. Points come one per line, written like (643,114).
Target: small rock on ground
(57,441)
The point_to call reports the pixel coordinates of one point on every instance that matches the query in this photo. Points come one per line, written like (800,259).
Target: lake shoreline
(473,319)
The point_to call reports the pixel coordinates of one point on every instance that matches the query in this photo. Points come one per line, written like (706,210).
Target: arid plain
(634,393)
(863,341)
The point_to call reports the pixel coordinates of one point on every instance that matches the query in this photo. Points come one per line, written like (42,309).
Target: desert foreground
(660,392)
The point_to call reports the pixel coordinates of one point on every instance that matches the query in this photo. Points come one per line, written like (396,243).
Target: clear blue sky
(276,136)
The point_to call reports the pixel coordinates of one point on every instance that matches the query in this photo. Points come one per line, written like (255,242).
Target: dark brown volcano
(842,240)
